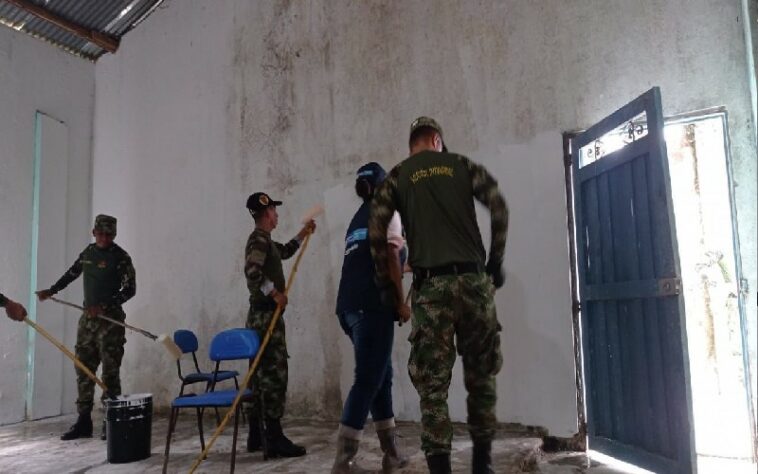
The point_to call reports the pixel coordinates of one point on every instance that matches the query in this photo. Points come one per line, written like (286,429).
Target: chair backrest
(186,340)
(234,344)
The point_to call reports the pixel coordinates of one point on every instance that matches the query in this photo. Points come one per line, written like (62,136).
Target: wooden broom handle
(68,353)
(106,318)
(254,365)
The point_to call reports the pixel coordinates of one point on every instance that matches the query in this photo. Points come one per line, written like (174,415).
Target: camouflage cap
(106,224)
(424,121)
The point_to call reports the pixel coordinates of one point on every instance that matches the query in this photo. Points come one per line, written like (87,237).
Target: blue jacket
(358,290)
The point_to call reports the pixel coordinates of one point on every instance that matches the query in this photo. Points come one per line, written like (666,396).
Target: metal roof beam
(107,42)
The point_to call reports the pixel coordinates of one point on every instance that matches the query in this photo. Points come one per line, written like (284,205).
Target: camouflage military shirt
(109,276)
(434,193)
(263,264)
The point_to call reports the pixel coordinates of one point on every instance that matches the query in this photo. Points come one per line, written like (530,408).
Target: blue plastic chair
(187,342)
(232,344)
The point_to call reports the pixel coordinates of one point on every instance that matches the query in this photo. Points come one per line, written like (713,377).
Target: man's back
(435,200)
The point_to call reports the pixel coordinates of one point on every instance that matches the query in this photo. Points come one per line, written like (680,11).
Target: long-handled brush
(71,356)
(311,214)
(167,342)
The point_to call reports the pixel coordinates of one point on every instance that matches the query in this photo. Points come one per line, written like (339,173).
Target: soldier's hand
(42,295)
(403,313)
(93,311)
(310,226)
(280,298)
(15,311)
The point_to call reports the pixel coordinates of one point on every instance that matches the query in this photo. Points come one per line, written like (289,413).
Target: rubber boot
(344,462)
(439,464)
(481,459)
(254,442)
(81,429)
(278,445)
(392,459)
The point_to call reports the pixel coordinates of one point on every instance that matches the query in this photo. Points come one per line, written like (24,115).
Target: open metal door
(636,373)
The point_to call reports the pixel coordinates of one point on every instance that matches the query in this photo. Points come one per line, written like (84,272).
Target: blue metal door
(632,315)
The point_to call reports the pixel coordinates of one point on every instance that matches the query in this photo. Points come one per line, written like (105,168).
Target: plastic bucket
(129,423)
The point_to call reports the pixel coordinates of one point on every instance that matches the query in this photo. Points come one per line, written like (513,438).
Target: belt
(449,269)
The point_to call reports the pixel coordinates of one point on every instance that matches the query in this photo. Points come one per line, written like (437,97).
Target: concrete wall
(37,77)
(204,105)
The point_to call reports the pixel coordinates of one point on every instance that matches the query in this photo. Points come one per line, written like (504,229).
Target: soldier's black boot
(81,429)
(481,460)
(278,445)
(254,436)
(439,464)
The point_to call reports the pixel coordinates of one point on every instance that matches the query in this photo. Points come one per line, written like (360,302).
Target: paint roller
(71,356)
(168,343)
(311,214)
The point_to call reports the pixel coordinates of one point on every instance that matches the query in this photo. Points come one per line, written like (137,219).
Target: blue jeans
(371,333)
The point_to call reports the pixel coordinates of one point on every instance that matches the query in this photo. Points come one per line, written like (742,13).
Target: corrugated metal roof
(111,17)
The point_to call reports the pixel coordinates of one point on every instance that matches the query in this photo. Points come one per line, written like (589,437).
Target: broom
(71,356)
(168,343)
(311,214)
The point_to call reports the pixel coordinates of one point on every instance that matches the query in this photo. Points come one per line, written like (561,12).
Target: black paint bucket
(129,423)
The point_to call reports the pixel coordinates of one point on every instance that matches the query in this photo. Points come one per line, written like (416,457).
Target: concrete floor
(34,447)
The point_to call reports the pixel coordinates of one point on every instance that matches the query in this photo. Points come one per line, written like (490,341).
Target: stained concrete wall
(35,76)
(205,104)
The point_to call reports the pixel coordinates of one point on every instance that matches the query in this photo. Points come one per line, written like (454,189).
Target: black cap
(372,172)
(257,202)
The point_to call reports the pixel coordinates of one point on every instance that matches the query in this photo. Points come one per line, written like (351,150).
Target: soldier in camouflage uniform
(14,310)
(265,280)
(434,193)
(109,282)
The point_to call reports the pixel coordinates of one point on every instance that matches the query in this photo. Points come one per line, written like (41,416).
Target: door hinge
(568,160)
(669,286)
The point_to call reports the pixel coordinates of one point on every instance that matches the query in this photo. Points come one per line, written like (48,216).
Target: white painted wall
(36,76)
(205,104)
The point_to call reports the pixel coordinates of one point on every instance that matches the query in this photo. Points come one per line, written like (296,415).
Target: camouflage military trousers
(269,384)
(462,308)
(99,341)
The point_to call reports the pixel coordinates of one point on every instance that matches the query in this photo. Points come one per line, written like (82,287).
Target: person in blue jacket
(369,323)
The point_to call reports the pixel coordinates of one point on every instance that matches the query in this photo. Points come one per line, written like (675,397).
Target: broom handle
(254,365)
(68,353)
(111,320)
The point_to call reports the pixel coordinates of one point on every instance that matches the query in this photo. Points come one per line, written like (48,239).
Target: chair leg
(200,426)
(218,417)
(262,417)
(171,425)
(234,436)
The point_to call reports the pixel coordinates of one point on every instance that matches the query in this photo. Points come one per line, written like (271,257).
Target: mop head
(170,346)
(313,213)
